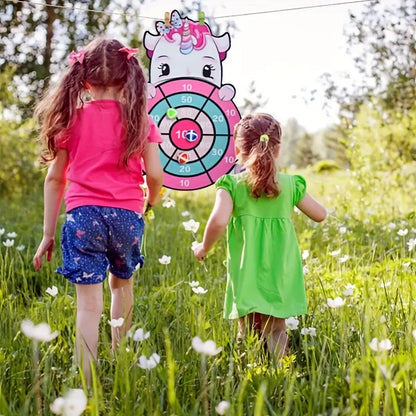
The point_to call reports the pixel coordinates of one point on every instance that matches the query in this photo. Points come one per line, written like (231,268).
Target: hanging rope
(288,9)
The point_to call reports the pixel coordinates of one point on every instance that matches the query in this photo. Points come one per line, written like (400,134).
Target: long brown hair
(103,66)
(257,136)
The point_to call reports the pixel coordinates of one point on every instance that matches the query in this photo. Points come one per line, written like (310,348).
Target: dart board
(197,129)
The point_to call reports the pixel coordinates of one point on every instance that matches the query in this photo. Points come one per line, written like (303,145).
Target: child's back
(265,277)
(264,265)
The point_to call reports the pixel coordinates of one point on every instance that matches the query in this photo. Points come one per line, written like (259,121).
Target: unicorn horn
(186,46)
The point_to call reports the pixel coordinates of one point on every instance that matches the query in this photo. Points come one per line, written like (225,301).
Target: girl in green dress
(264,274)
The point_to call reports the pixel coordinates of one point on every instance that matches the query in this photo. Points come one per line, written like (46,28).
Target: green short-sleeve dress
(264,272)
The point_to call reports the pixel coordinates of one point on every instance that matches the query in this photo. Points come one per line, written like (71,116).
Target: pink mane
(198,31)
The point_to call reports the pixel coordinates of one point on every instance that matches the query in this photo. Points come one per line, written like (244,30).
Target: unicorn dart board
(197,128)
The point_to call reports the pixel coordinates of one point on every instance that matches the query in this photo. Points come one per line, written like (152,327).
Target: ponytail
(258,138)
(262,171)
(134,105)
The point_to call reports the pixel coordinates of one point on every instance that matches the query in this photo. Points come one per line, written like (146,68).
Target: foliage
(383,155)
(19,172)
(36,38)
(327,165)
(382,43)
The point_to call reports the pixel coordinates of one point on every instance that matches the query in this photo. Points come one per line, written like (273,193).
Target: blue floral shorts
(96,238)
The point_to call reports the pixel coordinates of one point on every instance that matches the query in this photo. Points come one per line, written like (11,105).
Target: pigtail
(55,112)
(134,93)
(262,171)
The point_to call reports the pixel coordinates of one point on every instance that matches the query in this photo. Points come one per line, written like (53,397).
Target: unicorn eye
(164,69)
(207,70)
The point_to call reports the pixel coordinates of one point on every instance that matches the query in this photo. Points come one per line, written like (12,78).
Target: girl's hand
(45,247)
(199,252)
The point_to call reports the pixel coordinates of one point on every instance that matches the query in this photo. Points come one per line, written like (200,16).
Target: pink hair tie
(75,57)
(129,51)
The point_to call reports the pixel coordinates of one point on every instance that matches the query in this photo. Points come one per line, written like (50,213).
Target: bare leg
(89,310)
(252,321)
(274,331)
(121,306)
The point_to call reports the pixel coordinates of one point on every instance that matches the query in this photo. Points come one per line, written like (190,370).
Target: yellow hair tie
(264,138)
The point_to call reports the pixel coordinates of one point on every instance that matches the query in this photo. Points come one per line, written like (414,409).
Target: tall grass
(335,372)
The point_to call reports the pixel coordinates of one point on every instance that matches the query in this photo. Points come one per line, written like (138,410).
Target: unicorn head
(188,49)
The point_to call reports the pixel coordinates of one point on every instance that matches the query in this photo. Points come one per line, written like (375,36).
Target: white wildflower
(292,323)
(344,258)
(191,225)
(2,231)
(20,247)
(411,244)
(53,291)
(335,253)
(222,407)
(12,235)
(335,303)
(199,290)
(185,214)
(168,203)
(73,403)
(8,243)
(116,323)
(40,332)
(165,259)
(139,335)
(308,331)
(305,254)
(206,348)
(194,245)
(342,230)
(383,345)
(402,233)
(349,289)
(194,283)
(149,363)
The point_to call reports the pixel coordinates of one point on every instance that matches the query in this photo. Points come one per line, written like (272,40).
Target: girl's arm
(154,172)
(54,189)
(312,208)
(217,223)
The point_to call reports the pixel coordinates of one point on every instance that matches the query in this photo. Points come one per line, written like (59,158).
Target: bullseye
(185,134)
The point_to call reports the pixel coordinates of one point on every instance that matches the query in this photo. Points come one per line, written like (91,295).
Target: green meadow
(354,353)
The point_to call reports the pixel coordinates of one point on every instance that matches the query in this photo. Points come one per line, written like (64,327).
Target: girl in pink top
(101,148)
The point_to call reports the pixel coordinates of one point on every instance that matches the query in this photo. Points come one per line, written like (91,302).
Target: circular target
(197,128)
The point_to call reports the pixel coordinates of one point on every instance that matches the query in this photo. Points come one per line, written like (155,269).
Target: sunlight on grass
(353,354)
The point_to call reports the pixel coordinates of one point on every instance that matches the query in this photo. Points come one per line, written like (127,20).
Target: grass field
(353,354)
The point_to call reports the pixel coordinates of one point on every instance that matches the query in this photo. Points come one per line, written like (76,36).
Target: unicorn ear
(150,41)
(223,42)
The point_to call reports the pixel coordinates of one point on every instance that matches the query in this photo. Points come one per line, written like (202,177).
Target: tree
(383,46)
(292,134)
(36,38)
(305,154)
(253,100)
